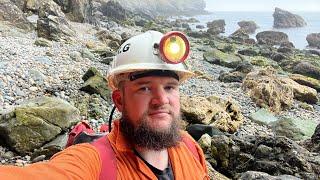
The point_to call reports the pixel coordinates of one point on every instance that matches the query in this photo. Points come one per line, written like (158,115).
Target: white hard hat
(141,53)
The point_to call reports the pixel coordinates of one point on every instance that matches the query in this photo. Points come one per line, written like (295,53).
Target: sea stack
(286,19)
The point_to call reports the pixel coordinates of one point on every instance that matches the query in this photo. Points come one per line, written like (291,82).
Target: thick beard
(144,136)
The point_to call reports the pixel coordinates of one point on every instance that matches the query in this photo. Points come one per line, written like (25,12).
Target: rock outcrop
(11,13)
(52,23)
(77,10)
(275,155)
(314,40)
(222,114)
(272,37)
(267,91)
(216,27)
(95,83)
(248,27)
(285,19)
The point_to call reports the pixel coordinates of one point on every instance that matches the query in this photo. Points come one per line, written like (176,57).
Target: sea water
(265,22)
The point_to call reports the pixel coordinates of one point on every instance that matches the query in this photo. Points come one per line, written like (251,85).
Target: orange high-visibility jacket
(83,161)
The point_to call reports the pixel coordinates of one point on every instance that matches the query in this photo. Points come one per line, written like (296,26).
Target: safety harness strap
(108,159)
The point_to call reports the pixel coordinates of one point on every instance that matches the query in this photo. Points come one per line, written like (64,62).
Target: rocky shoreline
(281,100)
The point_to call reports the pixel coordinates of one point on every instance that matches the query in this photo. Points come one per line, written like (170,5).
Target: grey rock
(294,128)
(307,69)
(272,37)
(285,19)
(37,121)
(313,40)
(253,175)
(52,23)
(10,12)
(216,27)
(263,116)
(248,26)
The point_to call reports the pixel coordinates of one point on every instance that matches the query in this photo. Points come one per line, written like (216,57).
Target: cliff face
(165,7)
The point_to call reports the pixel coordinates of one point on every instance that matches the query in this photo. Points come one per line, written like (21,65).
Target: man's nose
(159,96)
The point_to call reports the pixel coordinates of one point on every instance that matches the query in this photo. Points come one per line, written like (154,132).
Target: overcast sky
(262,5)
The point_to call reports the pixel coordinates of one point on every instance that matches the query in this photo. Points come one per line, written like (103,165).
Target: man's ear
(117,99)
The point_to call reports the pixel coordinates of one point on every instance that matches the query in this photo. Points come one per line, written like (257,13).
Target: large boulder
(216,56)
(222,114)
(294,128)
(95,83)
(216,27)
(307,81)
(275,155)
(52,23)
(11,13)
(307,69)
(77,10)
(301,92)
(267,90)
(248,27)
(115,11)
(314,40)
(36,122)
(285,19)
(272,38)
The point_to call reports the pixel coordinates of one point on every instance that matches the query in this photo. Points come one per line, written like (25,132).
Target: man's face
(154,98)
(150,106)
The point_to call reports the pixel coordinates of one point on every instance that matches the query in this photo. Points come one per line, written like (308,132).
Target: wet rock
(267,91)
(249,51)
(200,26)
(222,114)
(307,69)
(272,37)
(10,12)
(216,27)
(196,34)
(314,40)
(285,19)
(240,35)
(275,155)
(216,56)
(252,175)
(197,130)
(248,27)
(235,76)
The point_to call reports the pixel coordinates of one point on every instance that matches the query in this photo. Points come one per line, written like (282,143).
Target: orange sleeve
(76,162)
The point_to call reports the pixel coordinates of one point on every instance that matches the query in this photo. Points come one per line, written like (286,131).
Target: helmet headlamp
(174,47)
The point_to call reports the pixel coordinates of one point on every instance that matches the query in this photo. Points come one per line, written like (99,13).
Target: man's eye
(144,89)
(170,87)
